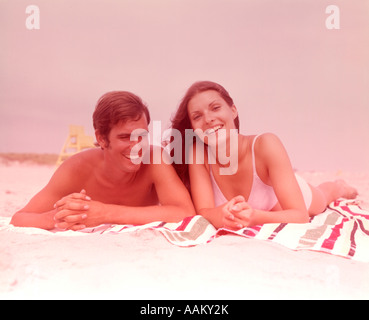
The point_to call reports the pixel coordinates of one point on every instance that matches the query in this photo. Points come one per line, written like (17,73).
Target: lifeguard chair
(76,142)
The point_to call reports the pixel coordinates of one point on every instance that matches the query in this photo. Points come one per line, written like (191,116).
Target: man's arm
(40,211)
(174,198)
(43,220)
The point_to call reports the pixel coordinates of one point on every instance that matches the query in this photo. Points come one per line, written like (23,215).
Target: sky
(286,69)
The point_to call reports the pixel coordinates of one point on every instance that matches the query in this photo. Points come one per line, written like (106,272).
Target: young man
(110,184)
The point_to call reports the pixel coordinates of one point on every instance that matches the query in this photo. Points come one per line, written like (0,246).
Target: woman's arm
(203,197)
(272,156)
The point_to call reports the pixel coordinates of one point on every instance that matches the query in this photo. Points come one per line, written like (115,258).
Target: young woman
(264,188)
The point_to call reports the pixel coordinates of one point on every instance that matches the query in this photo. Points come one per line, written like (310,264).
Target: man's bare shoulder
(160,163)
(83,162)
(159,156)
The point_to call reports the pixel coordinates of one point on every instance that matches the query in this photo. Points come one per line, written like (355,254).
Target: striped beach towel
(343,230)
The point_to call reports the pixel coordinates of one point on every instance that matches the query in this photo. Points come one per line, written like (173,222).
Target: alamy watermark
(333,20)
(221,146)
(33,18)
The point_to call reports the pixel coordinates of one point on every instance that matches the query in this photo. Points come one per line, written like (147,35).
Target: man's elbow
(189,211)
(185,211)
(25,219)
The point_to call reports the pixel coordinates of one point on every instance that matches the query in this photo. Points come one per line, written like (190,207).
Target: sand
(144,265)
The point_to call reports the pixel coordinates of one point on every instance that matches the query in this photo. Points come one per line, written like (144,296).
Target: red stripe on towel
(329,243)
(278,229)
(184,224)
(352,239)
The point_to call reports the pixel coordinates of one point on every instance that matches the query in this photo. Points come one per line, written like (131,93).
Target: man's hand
(72,211)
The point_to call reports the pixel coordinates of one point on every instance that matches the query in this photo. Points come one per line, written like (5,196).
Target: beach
(144,265)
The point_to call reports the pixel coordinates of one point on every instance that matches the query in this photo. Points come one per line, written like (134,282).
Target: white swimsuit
(262,196)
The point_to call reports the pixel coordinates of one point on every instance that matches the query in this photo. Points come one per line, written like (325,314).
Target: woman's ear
(234,111)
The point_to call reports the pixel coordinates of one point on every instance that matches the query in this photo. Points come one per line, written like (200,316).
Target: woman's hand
(237,214)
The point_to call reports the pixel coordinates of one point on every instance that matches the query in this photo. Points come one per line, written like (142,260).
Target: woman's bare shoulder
(267,141)
(270,149)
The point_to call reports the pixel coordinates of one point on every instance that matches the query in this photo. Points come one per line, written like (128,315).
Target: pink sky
(286,72)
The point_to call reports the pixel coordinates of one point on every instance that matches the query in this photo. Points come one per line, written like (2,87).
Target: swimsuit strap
(253,154)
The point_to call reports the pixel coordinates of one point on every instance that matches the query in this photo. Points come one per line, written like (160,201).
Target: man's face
(121,143)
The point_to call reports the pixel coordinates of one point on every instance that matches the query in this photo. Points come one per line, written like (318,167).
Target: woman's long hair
(181,122)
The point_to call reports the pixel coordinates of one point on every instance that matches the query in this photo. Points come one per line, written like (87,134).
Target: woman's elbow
(304,217)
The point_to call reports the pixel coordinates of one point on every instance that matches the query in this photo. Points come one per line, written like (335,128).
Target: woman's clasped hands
(237,214)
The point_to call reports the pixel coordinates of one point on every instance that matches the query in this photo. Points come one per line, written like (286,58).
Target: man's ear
(101,139)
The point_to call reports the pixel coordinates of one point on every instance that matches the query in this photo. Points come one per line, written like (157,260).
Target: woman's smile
(213,130)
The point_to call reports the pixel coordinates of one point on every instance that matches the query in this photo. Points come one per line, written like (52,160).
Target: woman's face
(208,112)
